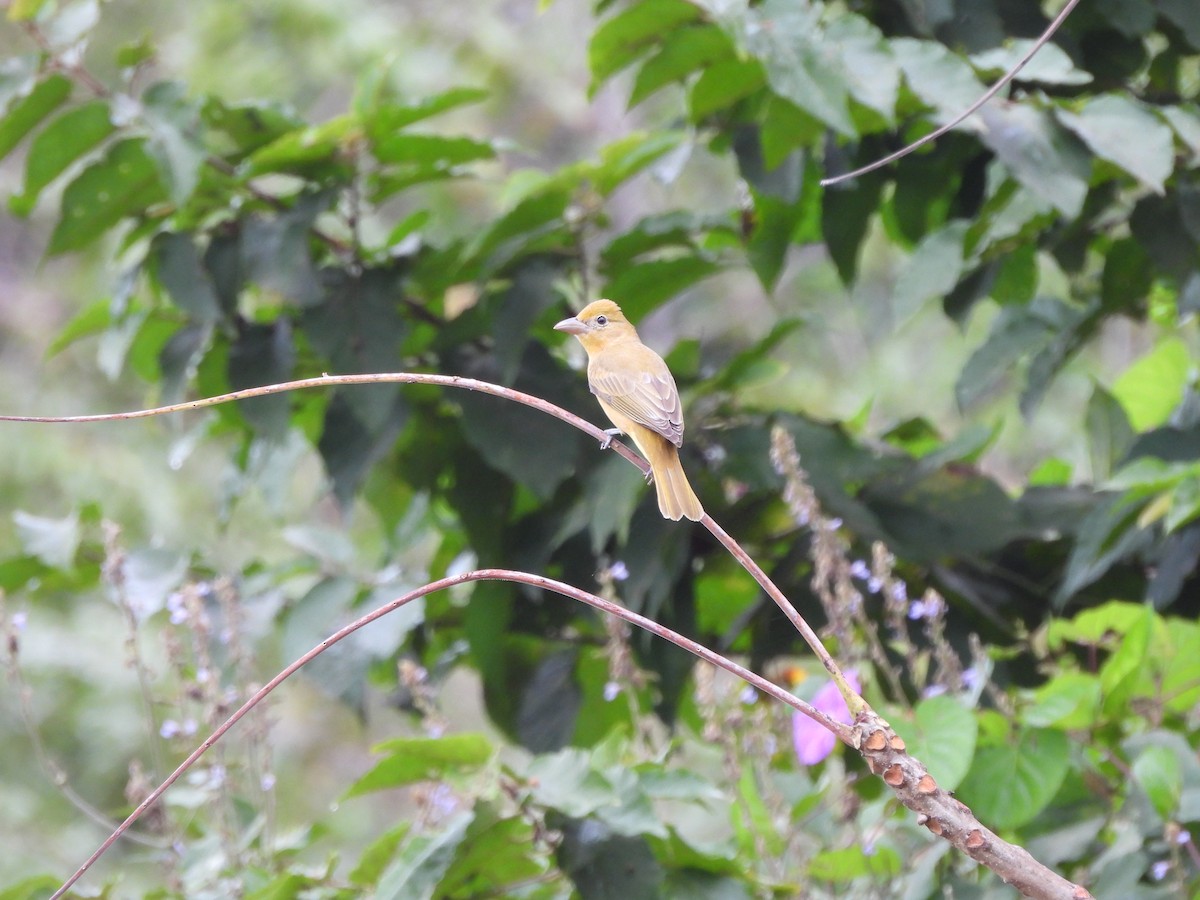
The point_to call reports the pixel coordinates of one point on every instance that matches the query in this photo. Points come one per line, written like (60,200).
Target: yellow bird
(636,391)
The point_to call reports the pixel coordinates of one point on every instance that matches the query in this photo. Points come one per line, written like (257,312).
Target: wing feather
(645,391)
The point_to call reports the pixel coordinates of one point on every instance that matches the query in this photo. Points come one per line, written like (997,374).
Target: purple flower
(812,741)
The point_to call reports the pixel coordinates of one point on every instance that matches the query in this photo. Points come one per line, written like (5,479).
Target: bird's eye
(601,320)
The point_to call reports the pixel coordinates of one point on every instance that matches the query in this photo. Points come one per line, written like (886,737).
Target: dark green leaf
(261,355)
(1016,332)
(641,287)
(349,447)
(276,253)
(247,126)
(177,267)
(59,144)
(27,113)
(496,854)
(1107,535)
(1109,433)
(179,358)
(845,211)
(124,183)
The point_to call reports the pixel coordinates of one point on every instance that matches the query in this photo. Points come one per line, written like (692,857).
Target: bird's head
(598,324)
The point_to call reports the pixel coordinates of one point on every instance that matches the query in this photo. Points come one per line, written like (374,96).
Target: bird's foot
(612,433)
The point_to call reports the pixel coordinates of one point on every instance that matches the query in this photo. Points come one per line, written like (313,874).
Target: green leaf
(684,50)
(623,38)
(723,84)
(871,71)
(786,36)
(62,142)
(1050,65)
(846,210)
(305,149)
(176,137)
(496,854)
(1069,701)
(124,183)
(1039,153)
(641,287)
(94,318)
(28,112)
(1158,773)
(391,117)
(37,886)
(1109,433)
(378,854)
(941,732)
(1151,388)
(1121,672)
(939,77)
(410,760)
(177,267)
(423,862)
(622,159)
(1016,332)
(1122,131)
(262,355)
(1009,784)
(1107,534)
(849,863)
(933,270)
(430,150)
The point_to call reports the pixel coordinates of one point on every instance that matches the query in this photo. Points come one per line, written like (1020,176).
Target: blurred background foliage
(985,355)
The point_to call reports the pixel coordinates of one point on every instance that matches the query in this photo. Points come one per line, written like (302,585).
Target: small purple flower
(749,696)
(899,592)
(1184,837)
(612,690)
(970,677)
(169,729)
(874,585)
(267,782)
(1160,870)
(177,608)
(18,620)
(812,741)
(860,570)
(619,571)
(934,690)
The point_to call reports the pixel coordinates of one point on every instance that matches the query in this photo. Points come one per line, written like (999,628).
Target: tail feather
(676,499)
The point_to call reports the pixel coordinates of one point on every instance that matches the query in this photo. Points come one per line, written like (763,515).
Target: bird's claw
(612,433)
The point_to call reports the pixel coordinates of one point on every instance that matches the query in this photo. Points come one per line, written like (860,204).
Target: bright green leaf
(410,760)
(941,733)
(59,144)
(1158,773)
(1151,388)
(1010,783)
(630,33)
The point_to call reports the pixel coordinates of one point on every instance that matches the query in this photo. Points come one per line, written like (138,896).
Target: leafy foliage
(255,245)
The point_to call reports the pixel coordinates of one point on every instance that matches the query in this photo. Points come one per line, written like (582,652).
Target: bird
(638,394)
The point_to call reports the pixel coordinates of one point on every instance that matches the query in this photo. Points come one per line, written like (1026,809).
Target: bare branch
(970,110)
(843,732)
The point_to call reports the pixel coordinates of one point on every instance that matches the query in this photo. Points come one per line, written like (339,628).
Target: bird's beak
(571,326)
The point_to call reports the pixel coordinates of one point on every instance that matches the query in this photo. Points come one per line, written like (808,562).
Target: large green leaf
(620,40)
(124,183)
(786,36)
(1010,783)
(1124,132)
(58,145)
(410,760)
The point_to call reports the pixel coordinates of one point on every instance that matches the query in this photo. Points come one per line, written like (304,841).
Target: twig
(970,110)
(843,732)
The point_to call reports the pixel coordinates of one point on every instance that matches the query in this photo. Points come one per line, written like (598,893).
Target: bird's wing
(645,391)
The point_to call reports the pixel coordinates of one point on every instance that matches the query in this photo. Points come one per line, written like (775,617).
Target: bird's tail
(676,499)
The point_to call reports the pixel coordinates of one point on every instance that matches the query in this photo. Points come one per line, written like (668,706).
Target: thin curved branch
(871,736)
(970,110)
(843,732)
